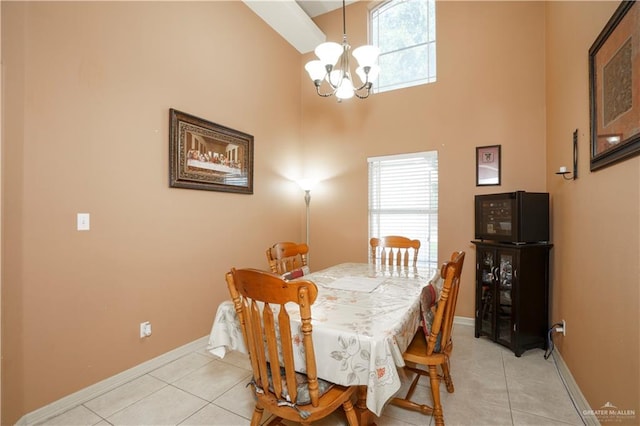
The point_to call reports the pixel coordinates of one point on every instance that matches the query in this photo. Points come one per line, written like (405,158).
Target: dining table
(363,320)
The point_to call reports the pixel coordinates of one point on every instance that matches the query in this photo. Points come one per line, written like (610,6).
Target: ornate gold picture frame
(206,155)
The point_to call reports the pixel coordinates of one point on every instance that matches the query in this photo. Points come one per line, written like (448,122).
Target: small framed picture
(488,165)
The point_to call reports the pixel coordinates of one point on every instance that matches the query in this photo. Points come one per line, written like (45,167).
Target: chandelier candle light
(339,76)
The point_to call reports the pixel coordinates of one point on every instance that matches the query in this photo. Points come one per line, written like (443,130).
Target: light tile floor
(492,387)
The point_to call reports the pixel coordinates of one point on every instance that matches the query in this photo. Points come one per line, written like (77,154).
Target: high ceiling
(292,19)
(314,8)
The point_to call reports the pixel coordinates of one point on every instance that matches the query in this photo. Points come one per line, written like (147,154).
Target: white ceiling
(292,19)
(314,8)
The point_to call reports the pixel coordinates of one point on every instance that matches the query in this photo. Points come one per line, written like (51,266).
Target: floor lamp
(306,185)
(307,199)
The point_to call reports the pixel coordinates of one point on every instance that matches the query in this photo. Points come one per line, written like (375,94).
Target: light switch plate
(83,222)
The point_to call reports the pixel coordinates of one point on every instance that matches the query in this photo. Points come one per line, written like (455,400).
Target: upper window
(405,32)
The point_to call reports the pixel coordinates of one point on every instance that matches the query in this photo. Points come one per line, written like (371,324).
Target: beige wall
(595,221)
(490,90)
(501,80)
(88,87)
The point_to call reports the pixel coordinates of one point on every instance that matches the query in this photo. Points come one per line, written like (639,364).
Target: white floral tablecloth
(359,334)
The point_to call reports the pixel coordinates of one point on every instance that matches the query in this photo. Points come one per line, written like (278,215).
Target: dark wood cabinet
(512,294)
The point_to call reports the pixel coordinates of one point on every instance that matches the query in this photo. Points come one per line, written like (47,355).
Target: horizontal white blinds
(403,200)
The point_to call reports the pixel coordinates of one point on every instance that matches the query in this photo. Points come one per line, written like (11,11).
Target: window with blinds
(403,200)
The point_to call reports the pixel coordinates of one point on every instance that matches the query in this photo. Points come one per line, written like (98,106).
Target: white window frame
(375,36)
(403,200)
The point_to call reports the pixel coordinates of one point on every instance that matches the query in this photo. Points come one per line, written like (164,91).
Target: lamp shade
(306,184)
(366,55)
(333,66)
(329,52)
(345,90)
(373,74)
(316,70)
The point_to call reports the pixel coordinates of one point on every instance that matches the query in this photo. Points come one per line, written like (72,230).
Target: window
(403,200)
(405,32)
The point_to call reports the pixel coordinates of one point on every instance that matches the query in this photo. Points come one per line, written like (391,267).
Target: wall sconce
(563,170)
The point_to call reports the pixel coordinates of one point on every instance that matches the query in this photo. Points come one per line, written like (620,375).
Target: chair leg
(446,375)
(406,401)
(352,419)
(277,421)
(257,415)
(414,383)
(435,394)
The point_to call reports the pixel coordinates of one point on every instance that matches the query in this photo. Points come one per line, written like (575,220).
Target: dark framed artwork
(488,165)
(614,88)
(206,155)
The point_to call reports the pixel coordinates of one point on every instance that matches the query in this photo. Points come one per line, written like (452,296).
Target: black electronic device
(513,217)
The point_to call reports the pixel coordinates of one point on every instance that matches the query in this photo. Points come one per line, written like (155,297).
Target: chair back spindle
(287,256)
(446,307)
(394,250)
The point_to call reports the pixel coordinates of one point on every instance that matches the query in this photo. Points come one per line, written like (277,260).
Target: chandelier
(338,76)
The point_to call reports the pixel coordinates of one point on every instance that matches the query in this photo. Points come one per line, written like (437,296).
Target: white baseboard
(578,399)
(464,321)
(64,404)
(80,397)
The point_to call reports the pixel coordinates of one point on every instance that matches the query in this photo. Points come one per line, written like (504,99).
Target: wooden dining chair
(259,298)
(394,250)
(285,257)
(434,350)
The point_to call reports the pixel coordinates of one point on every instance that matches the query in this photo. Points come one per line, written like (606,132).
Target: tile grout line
(106,419)
(506,385)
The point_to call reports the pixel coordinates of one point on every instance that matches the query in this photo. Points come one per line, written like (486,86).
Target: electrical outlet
(564,328)
(83,221)
(145,329)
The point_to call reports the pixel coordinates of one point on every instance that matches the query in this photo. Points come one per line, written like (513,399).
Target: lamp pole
(307,200)
(307,186)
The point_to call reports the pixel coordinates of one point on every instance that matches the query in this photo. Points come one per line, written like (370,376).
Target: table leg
(365,417)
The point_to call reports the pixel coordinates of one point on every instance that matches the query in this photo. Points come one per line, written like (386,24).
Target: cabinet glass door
(487,269)
(504,292)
